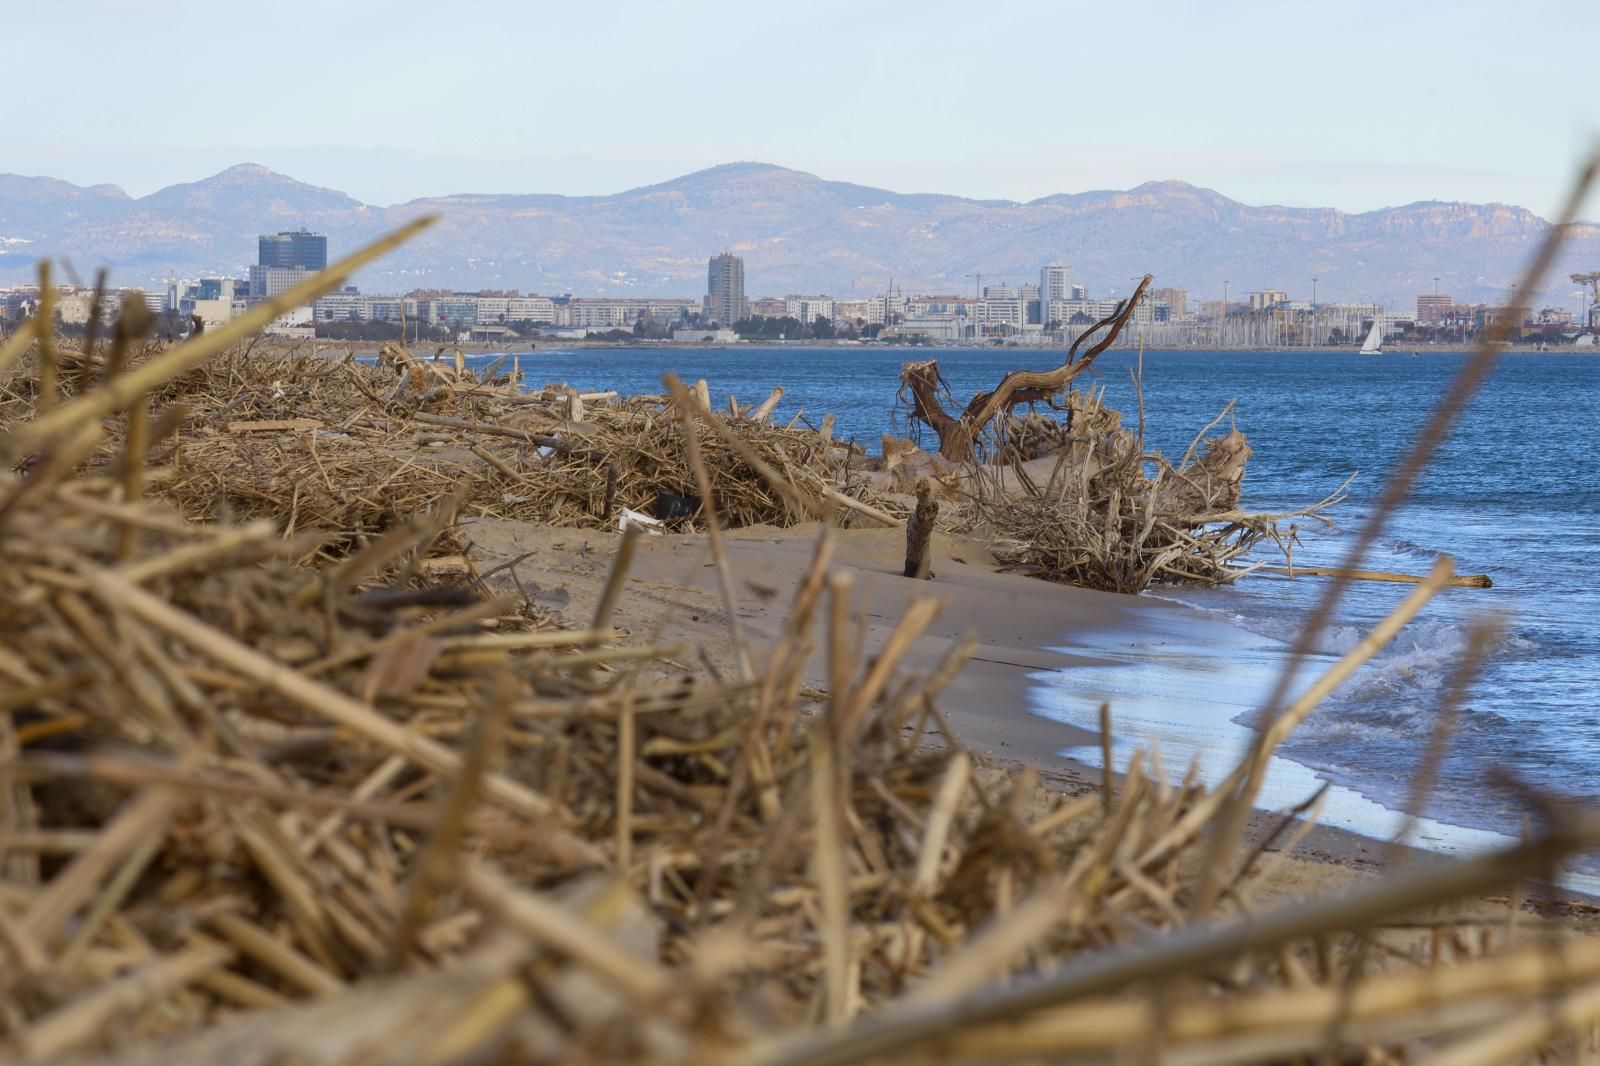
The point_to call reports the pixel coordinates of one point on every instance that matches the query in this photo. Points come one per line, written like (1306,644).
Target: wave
(1409,548)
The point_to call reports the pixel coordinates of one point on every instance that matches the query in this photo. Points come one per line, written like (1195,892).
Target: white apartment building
(807,309)
(493,310)
(1002,306)
(1063,310)
(935,327)
(1055,282)
(531,309)
(600,314)
(621,313)
(885,308)
(391,309)
(339,307)
(267,282)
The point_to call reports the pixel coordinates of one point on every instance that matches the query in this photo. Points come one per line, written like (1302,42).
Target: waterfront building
(856,310)
(1262,299)
(1063,311)
(725,301)
(492,310)
(1433,308)
(1001,306)
(932,327)
(539,309)
(807,309)
(888,307)
(390,309)
(353,306)
(347,306)
(308,251)
(768,307)
(451,310)
(621,313)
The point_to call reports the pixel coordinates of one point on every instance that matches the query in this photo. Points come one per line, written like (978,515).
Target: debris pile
(356,447)
(1079,499)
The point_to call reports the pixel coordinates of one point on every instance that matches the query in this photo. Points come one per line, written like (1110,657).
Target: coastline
(672,596)
(536,346)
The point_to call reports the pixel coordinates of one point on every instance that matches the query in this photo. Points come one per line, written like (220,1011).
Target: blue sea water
(1514,494)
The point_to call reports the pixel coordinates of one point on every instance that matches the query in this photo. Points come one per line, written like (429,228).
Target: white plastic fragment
(630,517)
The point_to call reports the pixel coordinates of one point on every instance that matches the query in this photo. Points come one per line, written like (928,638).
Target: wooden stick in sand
(919,533)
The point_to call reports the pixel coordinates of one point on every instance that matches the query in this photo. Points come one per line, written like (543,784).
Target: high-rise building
(308,251)
(1055,282)
(725,302)
(1175,299)
(1433,308)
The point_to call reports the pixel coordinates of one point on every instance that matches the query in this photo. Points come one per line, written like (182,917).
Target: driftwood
(959,434)
(919,533)
(1460,581)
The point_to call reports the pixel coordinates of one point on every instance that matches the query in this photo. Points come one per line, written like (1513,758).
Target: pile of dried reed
(1105,513)
(354,448)
(256,813)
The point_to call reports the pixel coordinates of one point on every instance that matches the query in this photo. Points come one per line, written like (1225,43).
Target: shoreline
(541,345)
(990,706)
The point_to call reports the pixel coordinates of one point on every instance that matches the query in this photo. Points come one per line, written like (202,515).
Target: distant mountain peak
(744,166)
(252,174)
(249,169)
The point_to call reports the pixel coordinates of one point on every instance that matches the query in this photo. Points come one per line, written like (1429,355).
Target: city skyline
(1056,309)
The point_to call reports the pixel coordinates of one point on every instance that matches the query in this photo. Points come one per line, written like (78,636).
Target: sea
(1514,494)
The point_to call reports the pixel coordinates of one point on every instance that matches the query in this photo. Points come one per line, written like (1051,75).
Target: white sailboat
(1374,342)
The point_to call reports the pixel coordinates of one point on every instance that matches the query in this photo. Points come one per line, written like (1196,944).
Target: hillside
(798,233)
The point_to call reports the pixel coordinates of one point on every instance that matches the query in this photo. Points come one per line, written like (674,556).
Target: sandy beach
(672,596)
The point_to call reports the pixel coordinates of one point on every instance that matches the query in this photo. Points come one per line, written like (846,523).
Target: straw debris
(272,788)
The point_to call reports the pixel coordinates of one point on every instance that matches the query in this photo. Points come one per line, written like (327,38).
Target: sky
(1351,105)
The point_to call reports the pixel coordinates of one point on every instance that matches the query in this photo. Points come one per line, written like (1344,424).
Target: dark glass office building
(298,249)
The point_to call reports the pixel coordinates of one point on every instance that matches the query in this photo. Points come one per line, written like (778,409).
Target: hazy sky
(1353,105)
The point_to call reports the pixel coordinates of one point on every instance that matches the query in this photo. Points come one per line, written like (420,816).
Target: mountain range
(798,233)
